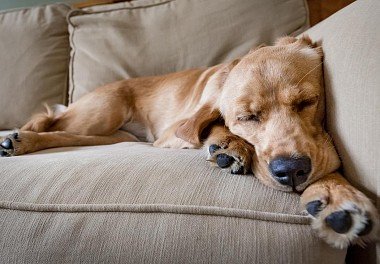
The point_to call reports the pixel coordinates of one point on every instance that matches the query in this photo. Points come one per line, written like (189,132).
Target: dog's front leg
(342,215)
(228,150)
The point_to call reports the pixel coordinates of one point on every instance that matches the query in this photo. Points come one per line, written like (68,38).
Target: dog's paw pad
(212,148)
(3,153)
(340,221)
(223,160)
(314,207)
(7,144)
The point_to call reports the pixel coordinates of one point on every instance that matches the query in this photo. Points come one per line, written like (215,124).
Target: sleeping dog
(261,113)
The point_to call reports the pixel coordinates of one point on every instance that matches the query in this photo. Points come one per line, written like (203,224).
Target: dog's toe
(314,207)
(212,148)
(223,160)
(339,221)
(3,153)
(15,136)
(7,144)
(367,228)
(240,170)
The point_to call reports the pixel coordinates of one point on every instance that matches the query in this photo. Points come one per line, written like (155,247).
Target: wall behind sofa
(8,4)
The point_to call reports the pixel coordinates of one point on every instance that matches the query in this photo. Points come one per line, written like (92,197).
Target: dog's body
(263,111)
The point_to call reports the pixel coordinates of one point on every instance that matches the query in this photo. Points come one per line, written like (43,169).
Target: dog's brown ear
(192,128)
(285,41)
(304,40)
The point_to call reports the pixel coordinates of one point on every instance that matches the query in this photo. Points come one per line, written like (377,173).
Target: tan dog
(263,111)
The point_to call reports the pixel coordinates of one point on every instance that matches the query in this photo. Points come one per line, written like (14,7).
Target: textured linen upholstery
(153,37)
(34,54)
(351,42)
(133,203)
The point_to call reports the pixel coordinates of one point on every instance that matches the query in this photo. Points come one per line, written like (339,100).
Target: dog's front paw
(231,152)
(341,214)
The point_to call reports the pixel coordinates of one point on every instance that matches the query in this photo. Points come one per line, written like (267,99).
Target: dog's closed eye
(250,117)
(302,105)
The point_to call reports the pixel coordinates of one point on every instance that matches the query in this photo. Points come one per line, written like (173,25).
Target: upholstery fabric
(34,52)
(143,38)
(133,203)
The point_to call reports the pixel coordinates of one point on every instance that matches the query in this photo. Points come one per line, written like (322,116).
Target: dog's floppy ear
(191,129)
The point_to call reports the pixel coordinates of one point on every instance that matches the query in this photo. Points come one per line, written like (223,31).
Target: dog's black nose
(290,171)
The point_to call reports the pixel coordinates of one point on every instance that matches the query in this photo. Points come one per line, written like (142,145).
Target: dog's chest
(138,130)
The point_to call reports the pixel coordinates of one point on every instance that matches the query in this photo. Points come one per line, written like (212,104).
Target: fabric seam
(157,208)
(84,12)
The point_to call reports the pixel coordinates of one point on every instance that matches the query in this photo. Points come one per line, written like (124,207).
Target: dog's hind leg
(23,142)
(95,119)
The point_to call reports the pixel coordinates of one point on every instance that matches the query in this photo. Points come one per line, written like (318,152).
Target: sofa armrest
(351,44)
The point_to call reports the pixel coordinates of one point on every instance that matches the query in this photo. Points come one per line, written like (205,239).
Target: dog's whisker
(309,73)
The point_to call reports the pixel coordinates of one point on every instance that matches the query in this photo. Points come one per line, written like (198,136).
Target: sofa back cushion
(34,52)
(152,37)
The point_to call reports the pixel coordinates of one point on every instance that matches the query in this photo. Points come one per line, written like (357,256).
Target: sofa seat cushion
(133,201)
(153,37)
(135,174)
(34,53)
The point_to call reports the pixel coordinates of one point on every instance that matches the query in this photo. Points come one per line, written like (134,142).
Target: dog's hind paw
(341,215)
(8,144)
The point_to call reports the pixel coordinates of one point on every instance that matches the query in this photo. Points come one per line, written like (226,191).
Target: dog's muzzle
(290,171)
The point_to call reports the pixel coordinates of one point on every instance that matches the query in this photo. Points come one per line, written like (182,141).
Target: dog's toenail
(239,171)
(212,148)
(223,160)
(367,228)
(340,221)
(3,154)
(314,207)
(7,144)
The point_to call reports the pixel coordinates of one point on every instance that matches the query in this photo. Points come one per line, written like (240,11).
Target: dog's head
(274,99)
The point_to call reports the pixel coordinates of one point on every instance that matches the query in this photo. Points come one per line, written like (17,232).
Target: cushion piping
(158,208)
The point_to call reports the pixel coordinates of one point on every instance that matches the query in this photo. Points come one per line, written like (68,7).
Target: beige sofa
(132,203)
